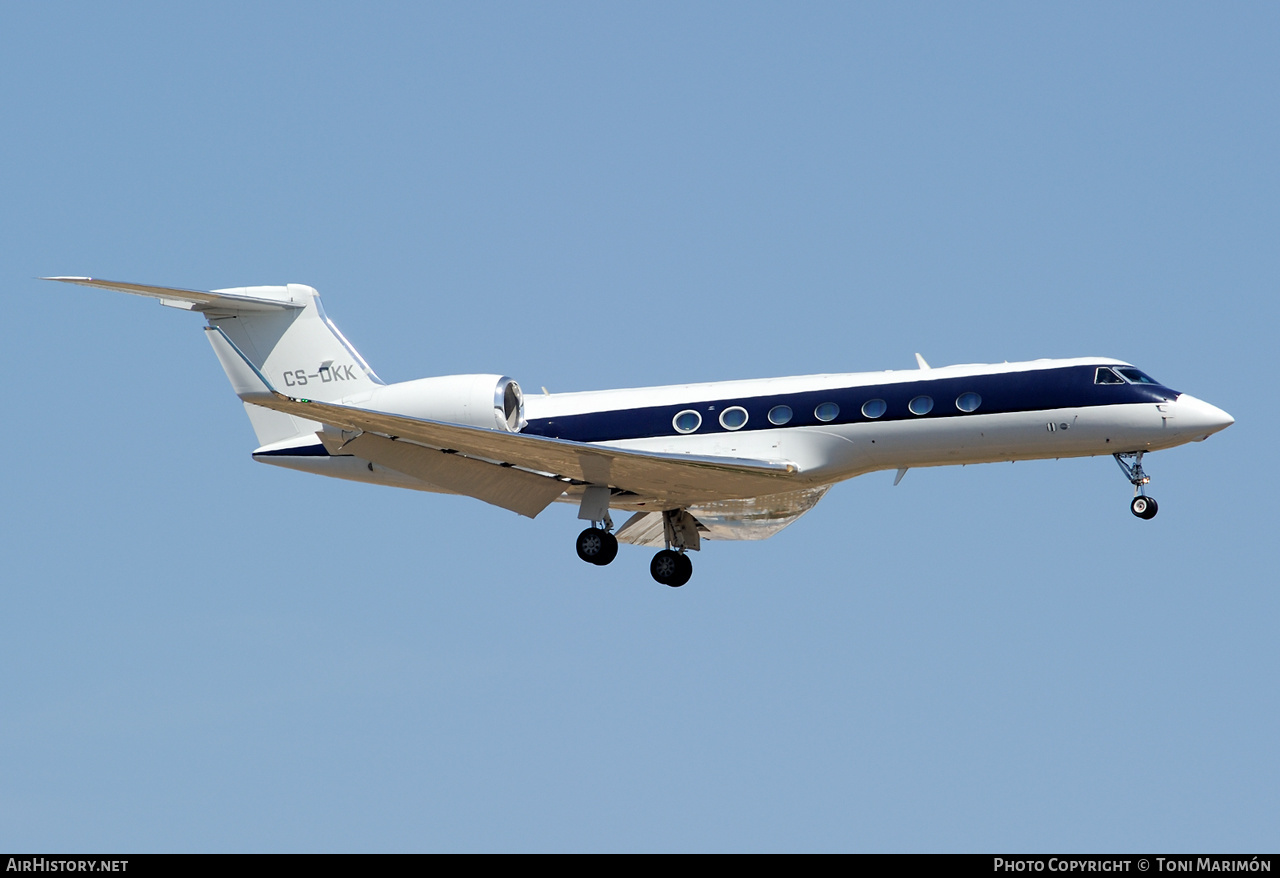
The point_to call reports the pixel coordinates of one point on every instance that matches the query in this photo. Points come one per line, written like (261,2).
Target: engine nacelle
(490,401)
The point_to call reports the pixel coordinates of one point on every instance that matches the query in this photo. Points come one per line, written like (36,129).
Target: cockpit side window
(1135,376)
(1106,376)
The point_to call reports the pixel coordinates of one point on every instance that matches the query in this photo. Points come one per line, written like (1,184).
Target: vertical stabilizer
(283,332)
(299,351)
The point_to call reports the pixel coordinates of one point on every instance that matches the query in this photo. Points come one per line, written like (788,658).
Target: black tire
(593,546)
(686,570)
(610,549)
(1143,507)
(665,568)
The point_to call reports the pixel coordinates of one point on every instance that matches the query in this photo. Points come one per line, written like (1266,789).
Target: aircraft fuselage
(844,425)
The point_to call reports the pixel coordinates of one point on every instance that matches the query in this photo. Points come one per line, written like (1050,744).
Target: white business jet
(733,460)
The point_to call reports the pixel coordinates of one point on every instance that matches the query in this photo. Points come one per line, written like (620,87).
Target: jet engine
(490,401)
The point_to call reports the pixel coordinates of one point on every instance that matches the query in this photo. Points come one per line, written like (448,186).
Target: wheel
(596,546)
(686,570)
(670,568)
(610,549)
(1144,507)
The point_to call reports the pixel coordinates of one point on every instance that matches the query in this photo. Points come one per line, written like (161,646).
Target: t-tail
(284,332)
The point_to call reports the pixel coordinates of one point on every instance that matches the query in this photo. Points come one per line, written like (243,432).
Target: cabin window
(921,405)
(733,418)
(1136,376)
(779,415)
(968,402)
(826,412)
(874,408)
(1106,376)
(687,421)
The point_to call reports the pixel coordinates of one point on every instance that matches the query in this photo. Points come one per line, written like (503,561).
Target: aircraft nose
(1200,418)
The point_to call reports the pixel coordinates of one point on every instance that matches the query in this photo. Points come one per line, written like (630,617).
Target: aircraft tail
(284,332)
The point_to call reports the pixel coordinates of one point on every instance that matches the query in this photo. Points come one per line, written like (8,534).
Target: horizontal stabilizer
(278,298)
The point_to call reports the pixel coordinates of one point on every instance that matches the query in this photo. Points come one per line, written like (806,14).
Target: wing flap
(522,492)
(643,529)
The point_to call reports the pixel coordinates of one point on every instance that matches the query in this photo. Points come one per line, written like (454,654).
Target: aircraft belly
(822,454)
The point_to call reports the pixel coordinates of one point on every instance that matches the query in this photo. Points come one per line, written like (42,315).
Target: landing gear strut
(672,566)
(597,544)
(1142,506)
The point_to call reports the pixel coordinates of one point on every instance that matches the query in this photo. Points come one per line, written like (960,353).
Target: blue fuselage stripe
(1031,390)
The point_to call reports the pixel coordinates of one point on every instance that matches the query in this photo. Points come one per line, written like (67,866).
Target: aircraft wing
(668,480)
(673,480)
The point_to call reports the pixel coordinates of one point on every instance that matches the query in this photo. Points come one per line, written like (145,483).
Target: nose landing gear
(1142,506)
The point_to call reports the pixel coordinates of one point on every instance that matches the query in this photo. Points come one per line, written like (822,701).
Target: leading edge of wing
(671,478)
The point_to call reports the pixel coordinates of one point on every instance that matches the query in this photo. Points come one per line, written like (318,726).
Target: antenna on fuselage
(920,360)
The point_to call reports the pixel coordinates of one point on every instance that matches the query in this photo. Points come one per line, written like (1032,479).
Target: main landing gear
(1142,506)
(597,546)
(672,566)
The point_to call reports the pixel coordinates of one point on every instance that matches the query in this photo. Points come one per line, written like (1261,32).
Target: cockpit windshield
(1106,376)
(1136,376)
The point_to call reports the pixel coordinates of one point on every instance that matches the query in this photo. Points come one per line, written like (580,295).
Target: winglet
(248,382)
(920,360)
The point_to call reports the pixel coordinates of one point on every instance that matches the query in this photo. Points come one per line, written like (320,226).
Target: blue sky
(206,654)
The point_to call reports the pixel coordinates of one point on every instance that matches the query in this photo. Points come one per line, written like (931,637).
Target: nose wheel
(1142,506)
